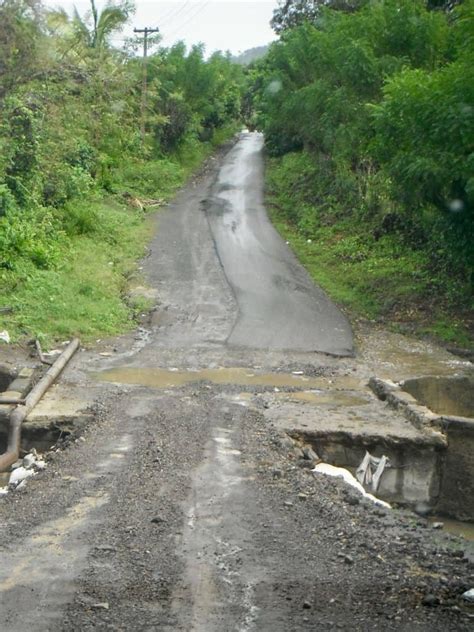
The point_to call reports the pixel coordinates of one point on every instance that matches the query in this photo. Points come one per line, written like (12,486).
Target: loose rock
(430,600)
(19,475)
(310,454)
(29,460)
(468,595)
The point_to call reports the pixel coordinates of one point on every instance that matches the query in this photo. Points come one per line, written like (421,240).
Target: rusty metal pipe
(18,414)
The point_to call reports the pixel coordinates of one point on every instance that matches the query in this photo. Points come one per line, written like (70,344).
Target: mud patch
(319,397)
(240,376)
(315,397)
(397,357)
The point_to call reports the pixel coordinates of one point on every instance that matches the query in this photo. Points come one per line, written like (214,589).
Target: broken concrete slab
(59,413)
(445,394)
(341,436)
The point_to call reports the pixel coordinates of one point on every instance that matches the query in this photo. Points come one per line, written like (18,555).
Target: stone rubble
(25,468)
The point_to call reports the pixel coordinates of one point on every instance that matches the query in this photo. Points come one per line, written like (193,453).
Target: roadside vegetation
(77,177)
(368,112)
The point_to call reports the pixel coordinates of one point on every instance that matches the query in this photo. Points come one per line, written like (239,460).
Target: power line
(171,16)
(173,11)
(195,11)
(191,17)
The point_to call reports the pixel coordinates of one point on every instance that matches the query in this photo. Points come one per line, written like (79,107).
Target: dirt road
(182,507)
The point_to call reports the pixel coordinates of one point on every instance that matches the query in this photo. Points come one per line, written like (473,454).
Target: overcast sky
(234,25)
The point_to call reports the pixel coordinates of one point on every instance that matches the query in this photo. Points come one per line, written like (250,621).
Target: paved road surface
(279,307)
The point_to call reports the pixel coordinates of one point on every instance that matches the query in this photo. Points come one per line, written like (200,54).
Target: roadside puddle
(169,378)
(455,527)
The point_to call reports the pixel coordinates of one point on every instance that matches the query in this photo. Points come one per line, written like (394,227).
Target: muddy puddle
(316,397)
(455,527)
(169,378)
(443,395)
(338,398)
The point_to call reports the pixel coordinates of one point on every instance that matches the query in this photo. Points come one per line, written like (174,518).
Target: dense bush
(379,98)
(70,108)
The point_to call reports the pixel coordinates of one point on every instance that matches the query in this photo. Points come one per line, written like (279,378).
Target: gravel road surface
(181,507)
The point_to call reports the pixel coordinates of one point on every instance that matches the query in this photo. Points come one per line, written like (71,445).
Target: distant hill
(250,55)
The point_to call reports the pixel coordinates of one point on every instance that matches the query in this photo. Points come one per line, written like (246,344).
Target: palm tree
(111,19)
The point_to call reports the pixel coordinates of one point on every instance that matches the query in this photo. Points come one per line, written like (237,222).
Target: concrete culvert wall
(453,399)
(444,405)
(414,475)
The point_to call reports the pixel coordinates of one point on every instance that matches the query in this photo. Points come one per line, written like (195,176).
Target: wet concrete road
(279,306)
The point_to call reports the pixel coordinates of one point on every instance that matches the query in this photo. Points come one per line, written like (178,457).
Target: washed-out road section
(182,508)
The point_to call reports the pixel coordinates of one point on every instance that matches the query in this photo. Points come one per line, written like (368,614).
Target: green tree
(380,102)
(94,29)
(20,42)
(291,13)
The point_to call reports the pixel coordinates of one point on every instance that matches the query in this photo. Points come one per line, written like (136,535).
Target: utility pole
(146,31)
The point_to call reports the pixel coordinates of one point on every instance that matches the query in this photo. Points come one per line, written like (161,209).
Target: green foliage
(82,294)
(191,97)
(374,276)
(292,13)
(21,43)
(155,178)
(32,234)
(379,103)
(7,200)
(424,137)
(70,134)
(81,218)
